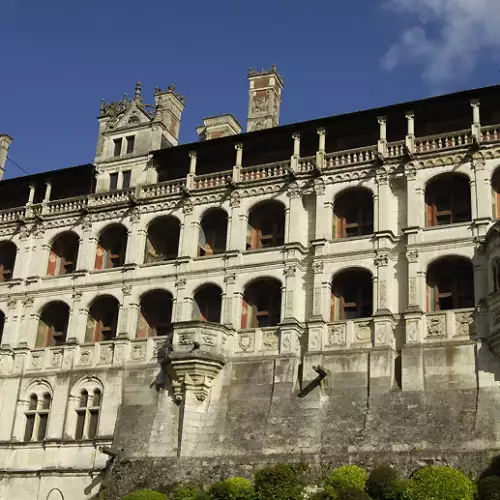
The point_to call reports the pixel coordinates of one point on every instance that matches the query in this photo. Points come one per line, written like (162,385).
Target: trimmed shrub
(279,482)
(347,476)
(443,483)
(352,494)
(384,484)
(189,493)
(145,495)
(234,488)
(324,494)
(489,488)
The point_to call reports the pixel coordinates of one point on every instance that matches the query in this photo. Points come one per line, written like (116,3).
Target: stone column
(85,247)
(324,211)
(28,324)
(382,142)
(415,198)
(77,320)
(238,164)
(192,170)
(321,296)
(476,120)
(189,237)
(295,215)
(129,314)
(481,195)
(179,312)
(10,330)
(321,153)
(289,311)
(136,240)
(5,142)
(410,134)
(229,310)
(294,160)
(382,203)
(239,222)
(23,264)
(382,297)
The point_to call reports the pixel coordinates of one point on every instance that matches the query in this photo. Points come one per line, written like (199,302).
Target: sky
(60,58)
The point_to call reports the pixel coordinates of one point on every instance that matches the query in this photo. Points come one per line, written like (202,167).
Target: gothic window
(352,295)
(266,226)
(37,416)
(53,325)
(111,248)
(63,254)
(261,304)
(213,230)
(207,304)
(162,242)
(447,199)
(87,414)
(102,319)
(8,253)
(155,318)
(450,284)
(353,213)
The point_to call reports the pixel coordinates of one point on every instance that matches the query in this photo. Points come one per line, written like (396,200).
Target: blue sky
(60,58)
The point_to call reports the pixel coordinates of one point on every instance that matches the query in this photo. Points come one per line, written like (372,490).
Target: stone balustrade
(439,142)
(351,157)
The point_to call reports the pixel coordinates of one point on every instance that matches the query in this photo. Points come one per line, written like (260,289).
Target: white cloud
(447,37)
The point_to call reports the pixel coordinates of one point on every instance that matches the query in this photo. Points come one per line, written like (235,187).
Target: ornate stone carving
(36,360)
(106,354)
(187,207)
(180,283)
(289,303)
(319,186)
(318,267)
(138,352)
(235,200)
(260,104)
(314,339)
(208,340)
(186,339)
(413,290)
(336,334)
(286,341)
(86,357)
(77,296)
(230,278)
(290,270)
(412,331)
(56,358)
(135,215)
(410,172)
(127,290)
(363,331)
(294,190)
(28,301)
(381,259)
(464,324)
(317,301)
(382,290)
(436,326)
(381,176)
(270,340)
(412,256)
(246,342)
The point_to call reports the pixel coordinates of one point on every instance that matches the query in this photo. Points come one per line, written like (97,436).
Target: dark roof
(66,183)
(434,115)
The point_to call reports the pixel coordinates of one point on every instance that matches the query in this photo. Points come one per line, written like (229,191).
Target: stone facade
(243,316)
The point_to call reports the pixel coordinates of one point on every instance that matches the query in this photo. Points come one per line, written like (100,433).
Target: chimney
(264,99)
(218,126)
(169,108)
(5,141)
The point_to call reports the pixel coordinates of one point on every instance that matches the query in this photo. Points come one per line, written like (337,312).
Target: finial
(124,99)
(138,91)
(103,104)
(273,68)
(157,90)
(171,88)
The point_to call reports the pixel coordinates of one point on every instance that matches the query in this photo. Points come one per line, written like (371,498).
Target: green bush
(235,488)
(384,484)
(440,483)
(145,495)
(279,482)
(188,493)
(324,494)
(352,494)
(489,488)
(347,476)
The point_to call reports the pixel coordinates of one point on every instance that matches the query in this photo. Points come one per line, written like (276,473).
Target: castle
(325,290)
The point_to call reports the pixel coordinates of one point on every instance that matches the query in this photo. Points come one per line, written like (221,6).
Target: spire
(138,92)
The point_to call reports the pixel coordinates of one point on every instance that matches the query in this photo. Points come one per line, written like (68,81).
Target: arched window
(162,242)
(447,199)
(213,231)
(87,414)
(63,254)
(261,305)
(53,325)
(495,194)
(8,253)
(102,319)
(37,416)
(2,324)
(450,284)
(207,304)
(353,213)
(266,225)
(155,318)
(352,295)
(111,247)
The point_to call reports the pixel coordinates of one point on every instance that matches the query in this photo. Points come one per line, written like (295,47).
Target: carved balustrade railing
(268,171)
(207,181)
(440,142)
(351,157)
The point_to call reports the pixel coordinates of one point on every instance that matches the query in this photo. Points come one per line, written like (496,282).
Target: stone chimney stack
(169,108)
(5,142)
(218,126)
(264,99)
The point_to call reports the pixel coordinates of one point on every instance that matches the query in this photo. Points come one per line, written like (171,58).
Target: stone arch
(261,304)
(266,224)
(111,247)
(353,212)
(207,303)
(155,313)
(102,319)
(63,253)
(213,232)
(55,494)
(8,254)
(53,324)
(162,240)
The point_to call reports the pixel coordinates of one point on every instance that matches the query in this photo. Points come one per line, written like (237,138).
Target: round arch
(353,212)
(261,304)
(207,303)
(351,294)
(212,232)
(102,318)
(53,324)
(8,254)
(155,313)
(207,210)
(162,241)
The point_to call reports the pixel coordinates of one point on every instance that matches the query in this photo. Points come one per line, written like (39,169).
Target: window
(450,284)
(352,295)
(207,304)
(87,419)
(113,181)
(53,325)
(266,226)
(130,144)
(2,324)
(155,316)
(213,230)
(117,147)
(37,417)
(111,248)
(496,275)
(495,194)
(261,304)
(8,253)
(353,213)
(63,255)
(102,320)
(162,242)
(126,179)
(447,200)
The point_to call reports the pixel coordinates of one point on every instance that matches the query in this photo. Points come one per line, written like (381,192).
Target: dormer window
(130,144)
(118,147)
